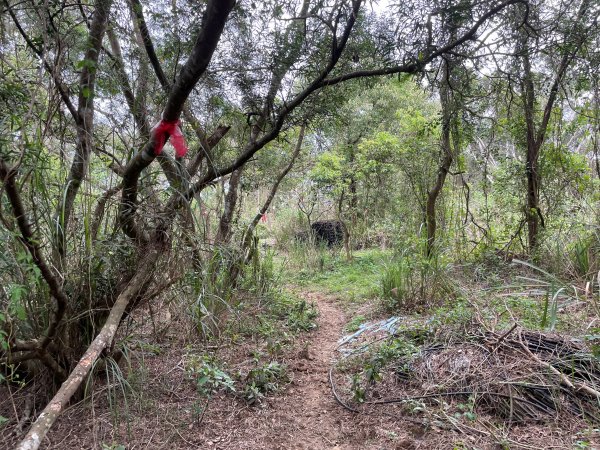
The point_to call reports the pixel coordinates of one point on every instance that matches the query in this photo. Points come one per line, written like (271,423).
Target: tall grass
(227,278)
(308,256)
(556,292)
(585,256)
(412,281)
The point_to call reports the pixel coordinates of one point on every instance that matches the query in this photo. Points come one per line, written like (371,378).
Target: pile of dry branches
(516,377)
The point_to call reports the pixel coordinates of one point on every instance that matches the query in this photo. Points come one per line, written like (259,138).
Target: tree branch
(206,42)
(85,125)
(62,90)
(28,239)
(265,207)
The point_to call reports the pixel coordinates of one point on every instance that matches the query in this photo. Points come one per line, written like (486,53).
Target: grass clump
(355,323)
(355,280)
(413,282)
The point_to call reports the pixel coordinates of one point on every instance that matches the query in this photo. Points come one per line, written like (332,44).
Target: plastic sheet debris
(388,326)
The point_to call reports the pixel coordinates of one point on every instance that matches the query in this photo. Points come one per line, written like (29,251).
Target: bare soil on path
(306,415)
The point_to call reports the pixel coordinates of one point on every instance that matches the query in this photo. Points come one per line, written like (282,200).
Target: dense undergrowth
(409,315)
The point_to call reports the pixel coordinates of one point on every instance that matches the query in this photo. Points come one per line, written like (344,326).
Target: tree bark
(345,230)
(225,232)
(103,341)
(448,127)
(85,123)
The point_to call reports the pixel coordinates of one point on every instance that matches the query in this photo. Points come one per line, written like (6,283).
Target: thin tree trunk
(265,207)
(533,212)
(345,230)
(535,137)
(85,123)
(224,232)
(448,113)
(432,196)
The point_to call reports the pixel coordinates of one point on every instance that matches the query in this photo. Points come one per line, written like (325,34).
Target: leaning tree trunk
(247,239)
(103,341)
(151,243)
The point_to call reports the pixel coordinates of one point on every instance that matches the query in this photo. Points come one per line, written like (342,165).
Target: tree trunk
(85,125)
(224,232)
(534,214)
(535,137)
(345,230)
(250,230)
(104,340)
(448,126)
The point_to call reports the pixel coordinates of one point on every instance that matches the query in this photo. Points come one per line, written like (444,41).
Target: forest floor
(301,415)
(154,398)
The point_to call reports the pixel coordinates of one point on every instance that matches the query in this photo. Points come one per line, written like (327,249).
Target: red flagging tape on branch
(165,129)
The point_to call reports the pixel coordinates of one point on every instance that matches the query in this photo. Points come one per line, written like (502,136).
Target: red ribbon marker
(166,128)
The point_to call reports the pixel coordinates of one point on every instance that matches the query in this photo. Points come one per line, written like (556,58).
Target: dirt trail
(318,421)
(305,415)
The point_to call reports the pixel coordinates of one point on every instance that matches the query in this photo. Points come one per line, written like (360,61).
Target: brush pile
(515,377)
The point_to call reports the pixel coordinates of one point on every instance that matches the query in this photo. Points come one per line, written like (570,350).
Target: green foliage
(208,376)
(395,352)
(213,290)
(210,379)
(113,447)
(298,314)
(328,170)
(557,294)
(396,281)
(455,315)
(306,258)
(302,316)
(263,380)
(355,323)
(467,410)
(585,255)
(359,393)
(411,282)
(354,280)
(259,276)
